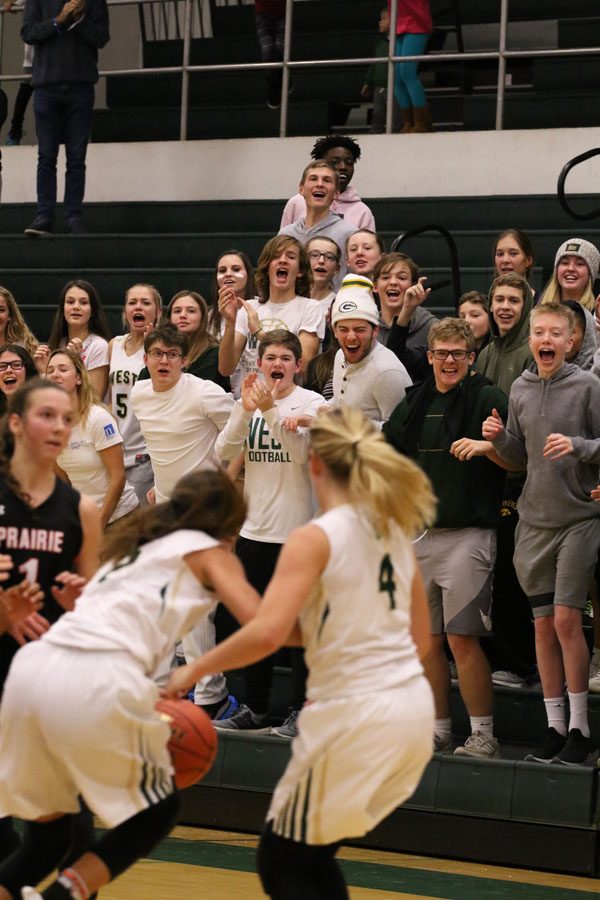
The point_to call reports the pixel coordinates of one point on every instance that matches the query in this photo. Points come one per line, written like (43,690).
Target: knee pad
(120,847)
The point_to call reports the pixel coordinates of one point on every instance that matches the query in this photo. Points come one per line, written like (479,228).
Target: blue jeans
(408,89)
(63,113)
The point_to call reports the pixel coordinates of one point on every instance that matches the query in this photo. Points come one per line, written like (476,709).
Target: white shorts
(353,762)
(76,723)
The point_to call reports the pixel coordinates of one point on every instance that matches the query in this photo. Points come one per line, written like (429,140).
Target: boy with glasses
(457,555)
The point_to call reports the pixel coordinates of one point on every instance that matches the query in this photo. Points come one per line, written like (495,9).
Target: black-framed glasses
(16,365)
(457,355)
(316,254)
(171,355)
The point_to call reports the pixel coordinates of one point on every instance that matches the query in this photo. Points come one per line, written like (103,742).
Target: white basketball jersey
(356,625)
(142,605)
(123,374)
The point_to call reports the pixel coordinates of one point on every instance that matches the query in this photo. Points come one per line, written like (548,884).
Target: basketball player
(50,531)
(351,579)
(91,729)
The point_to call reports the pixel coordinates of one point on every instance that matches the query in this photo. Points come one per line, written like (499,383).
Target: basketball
(193,741)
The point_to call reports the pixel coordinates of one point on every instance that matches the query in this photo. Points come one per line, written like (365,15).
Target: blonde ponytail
(388,485)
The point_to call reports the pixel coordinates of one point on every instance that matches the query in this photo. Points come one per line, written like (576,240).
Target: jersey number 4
(387,585)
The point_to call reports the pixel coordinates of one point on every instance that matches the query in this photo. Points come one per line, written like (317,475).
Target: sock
(578,718)
(443,727)
(556,713)
(69,885)
(482,724)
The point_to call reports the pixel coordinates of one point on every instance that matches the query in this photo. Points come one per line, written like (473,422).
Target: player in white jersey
(126,360)
(350,578)
(78,716)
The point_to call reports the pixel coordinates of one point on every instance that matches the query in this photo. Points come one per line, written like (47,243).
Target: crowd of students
(498,406)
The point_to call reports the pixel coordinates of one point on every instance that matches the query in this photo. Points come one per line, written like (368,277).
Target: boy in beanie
(366,375)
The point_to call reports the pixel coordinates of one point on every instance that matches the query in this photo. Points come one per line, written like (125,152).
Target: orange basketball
(193,741)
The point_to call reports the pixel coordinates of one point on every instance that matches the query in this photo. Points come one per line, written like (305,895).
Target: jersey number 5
(121,405)
(387,585)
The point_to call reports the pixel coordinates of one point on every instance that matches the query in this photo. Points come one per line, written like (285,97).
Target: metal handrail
(452,250)
(502,55)
(560,188)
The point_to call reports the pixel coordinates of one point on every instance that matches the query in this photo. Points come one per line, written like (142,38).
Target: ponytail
(385,483)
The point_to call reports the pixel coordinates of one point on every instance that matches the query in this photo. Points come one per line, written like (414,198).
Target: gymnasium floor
(219,865)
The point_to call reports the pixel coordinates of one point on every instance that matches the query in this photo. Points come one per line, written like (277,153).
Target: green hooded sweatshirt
(505,358)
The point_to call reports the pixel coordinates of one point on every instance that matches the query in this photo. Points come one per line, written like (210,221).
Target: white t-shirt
(356,626)
(124,371)
(276,485)
(94,352)
(297,315)
(142,606)
(180,427)
(82,462)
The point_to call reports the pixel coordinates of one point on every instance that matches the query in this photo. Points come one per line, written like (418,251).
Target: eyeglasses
(16,365)
(316,254)
(457,355)
(171,355)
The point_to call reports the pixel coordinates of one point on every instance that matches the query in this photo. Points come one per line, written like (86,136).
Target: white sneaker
(479,745)
(442,743)
(594,682)
(508,679)
(29,893)
(594,666)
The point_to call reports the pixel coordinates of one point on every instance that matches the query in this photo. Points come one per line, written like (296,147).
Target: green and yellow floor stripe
(218,865)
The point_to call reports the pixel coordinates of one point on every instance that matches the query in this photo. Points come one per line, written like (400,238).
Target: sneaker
(14,138)
(75,226)
(244,720)
(289,728)
(222,709)
(594,666)
(479,745)
(550,747)
(576,750)
(508,679)
(39,226)
(274,97)
(29,893)
(442,743)
(594,682)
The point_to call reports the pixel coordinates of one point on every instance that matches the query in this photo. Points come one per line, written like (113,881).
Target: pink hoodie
(349,205)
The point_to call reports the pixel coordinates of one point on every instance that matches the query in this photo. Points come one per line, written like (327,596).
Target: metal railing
(502,55)
(560,188)
(452,251)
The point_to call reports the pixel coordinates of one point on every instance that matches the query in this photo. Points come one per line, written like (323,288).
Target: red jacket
(414,17)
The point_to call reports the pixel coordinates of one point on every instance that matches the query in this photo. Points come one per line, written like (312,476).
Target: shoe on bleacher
(289,728)
(504,678)
(244,721)
(40,225)
(442,743)
(594,682)
(576,750)
(222,709)
(550,747)
(479,745)
(14,138)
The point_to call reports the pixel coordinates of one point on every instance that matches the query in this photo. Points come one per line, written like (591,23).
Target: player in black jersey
(49,530)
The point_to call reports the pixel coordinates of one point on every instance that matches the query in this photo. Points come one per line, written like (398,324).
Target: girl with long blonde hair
(347,587)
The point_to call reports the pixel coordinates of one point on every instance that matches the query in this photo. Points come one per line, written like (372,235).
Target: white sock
(482,724)
(556,713)
(443,727)
(578,718)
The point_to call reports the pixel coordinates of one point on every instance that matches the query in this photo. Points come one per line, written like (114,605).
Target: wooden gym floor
(218,865)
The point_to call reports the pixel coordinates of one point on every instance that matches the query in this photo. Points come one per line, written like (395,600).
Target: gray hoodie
(589,344)
(556,492)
